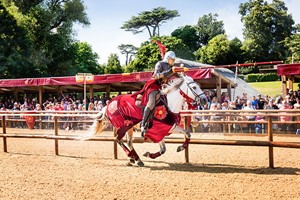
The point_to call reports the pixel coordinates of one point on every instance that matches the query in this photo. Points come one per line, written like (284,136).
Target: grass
(272,88)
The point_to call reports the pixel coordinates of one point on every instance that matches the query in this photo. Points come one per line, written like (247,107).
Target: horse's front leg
(162,150)
(130,152)
(187,136)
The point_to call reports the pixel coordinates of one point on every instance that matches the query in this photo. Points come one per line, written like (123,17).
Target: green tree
(208,27)
(14,47)
(148,54)
(215,52)
(85,60)
(235,51)
(113,65)
(293,45)
(150,20)
(188,34)
(266,27)
(48,25)
(129,51)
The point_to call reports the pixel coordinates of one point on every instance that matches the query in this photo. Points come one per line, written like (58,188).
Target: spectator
(297,107)
(245,97)
(91,106)
(271,105)
(260,102)
(254,102)
(214,100)
(225,97)
(259,127)
(249,106)
(215,117)
(285,106)
(239,104)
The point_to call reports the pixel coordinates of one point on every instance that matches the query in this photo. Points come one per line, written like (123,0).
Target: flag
(162,48)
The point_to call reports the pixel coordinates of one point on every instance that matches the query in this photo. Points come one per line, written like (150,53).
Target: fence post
(270,139)
(186,126)
(56,133)
(115,144)
(4,132)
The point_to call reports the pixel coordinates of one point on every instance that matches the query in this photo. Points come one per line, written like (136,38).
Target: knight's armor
(162,72)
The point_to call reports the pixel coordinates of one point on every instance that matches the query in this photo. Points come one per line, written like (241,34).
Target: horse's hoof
(129,164)
(147,154)
(131,161)
(140,164)
(180,148)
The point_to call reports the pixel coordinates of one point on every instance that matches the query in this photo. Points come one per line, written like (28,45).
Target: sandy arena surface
(87,170)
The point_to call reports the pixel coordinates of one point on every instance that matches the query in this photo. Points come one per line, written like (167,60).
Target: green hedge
(262,77)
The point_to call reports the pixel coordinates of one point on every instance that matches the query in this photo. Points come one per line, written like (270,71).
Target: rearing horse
(123,113)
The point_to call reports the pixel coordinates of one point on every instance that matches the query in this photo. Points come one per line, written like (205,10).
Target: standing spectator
(224,97)
(245,97)
(254,102)
(260,102)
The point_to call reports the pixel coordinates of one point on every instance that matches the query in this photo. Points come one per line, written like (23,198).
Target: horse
(124,112)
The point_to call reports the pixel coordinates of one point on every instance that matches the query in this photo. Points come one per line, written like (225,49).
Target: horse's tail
(98,125)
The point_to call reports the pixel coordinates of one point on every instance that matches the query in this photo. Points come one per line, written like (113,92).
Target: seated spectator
(214,100)
(283,118)
(297,107)
(215,127)
(259,127)
(271,105)
(249,106)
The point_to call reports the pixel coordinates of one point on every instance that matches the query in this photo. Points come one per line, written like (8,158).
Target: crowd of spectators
(291,101)
(67,102)
(74,102)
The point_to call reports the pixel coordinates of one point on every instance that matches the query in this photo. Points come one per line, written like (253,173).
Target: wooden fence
(226,118)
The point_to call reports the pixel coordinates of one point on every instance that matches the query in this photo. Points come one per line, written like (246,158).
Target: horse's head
(192,91)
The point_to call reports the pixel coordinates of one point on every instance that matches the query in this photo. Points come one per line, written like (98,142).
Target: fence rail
(225,120)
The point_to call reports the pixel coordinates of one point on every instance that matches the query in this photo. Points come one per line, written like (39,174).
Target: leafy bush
(262,77)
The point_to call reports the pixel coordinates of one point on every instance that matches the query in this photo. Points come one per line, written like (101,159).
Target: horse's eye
(194,87)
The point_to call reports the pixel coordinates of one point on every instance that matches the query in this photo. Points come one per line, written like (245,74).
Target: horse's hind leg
(163,149)
(129,138)
(187,136)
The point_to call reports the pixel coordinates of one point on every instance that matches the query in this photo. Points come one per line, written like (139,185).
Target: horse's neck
(175,101)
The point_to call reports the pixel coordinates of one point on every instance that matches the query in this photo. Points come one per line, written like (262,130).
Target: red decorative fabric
(288,69)
(150,86)
(98,79)
(160,112)
(122,111)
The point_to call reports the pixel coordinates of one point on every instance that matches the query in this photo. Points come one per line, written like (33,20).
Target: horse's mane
(172,84)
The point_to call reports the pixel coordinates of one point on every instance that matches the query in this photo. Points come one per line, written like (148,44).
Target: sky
(104,33)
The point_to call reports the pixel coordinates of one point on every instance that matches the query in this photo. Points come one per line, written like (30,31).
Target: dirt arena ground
(87,170)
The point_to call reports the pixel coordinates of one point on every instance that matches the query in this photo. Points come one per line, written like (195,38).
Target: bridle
(192,104)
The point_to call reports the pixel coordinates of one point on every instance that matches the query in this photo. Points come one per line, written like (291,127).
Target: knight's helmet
(169,54)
